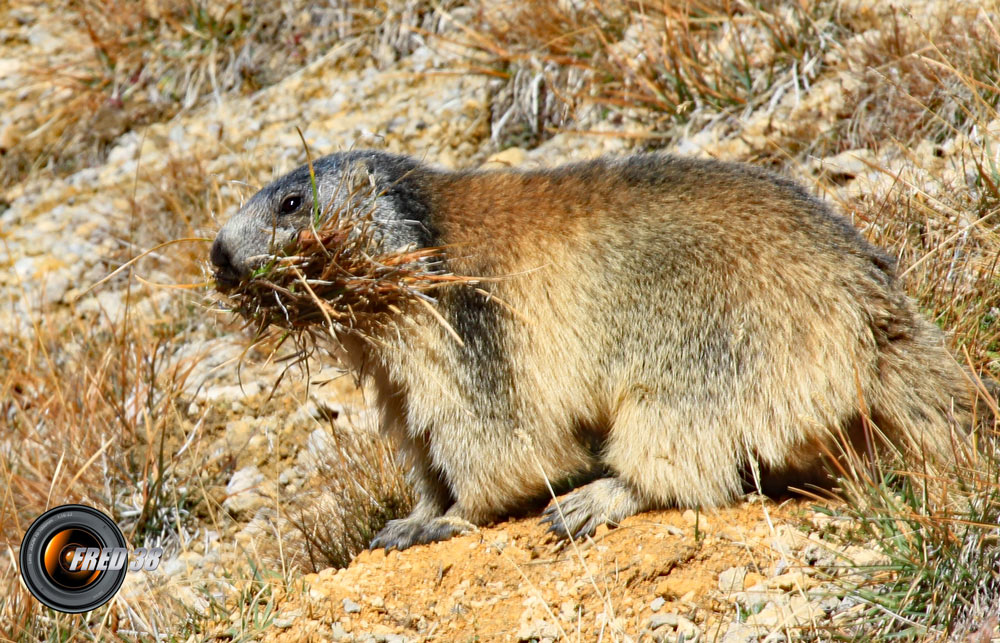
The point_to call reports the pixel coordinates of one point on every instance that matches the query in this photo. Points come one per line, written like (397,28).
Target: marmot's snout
(226,275)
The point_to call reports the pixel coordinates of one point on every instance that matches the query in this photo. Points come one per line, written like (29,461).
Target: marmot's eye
(290,204)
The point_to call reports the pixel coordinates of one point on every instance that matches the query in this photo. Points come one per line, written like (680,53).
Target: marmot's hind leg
(604,501)
(660,457)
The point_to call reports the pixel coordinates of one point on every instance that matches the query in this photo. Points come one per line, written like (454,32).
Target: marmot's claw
(393,536)
(602,502)
(405,532)
(569,517)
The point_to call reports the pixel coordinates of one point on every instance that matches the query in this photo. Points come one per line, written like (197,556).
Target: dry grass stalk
(358,486)
(917,84)
(89,408)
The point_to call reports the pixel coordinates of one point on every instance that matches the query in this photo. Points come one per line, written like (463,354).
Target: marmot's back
(679,325)
(714,299)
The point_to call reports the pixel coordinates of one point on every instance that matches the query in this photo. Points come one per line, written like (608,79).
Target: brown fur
(671,324)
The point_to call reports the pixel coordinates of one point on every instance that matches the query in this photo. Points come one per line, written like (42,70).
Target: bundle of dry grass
(336,277)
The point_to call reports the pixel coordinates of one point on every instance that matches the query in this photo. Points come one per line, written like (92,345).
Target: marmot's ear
(359,179)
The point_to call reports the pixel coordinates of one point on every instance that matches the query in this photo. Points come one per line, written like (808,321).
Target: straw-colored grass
(661,63)
(138,63)
(926,105)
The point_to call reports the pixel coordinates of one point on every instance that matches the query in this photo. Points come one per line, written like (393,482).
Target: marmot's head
(273,217)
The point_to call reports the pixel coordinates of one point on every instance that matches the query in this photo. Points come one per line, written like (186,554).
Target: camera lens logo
(74,559)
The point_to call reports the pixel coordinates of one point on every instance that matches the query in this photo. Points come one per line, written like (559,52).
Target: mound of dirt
(738,573)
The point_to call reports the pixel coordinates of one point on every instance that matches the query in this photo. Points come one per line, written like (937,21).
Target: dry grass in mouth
(335,276)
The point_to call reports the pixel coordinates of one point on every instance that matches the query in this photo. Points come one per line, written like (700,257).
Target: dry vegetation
(664,63)
(97,410)
(335,277)
(94,406)
(143,62)
(92,416)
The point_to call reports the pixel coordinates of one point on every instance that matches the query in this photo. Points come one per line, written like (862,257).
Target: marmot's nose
(225,274)
(220,255)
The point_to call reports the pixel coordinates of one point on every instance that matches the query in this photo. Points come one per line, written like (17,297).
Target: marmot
(666,328)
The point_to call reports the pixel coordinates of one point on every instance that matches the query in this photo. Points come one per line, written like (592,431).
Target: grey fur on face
(358,183)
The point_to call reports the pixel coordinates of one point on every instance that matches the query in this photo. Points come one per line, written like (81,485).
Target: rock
(754,599)
(316,411)
(795,611)
(538,629)
(234,393)
(848,164)
(318,449)
(43,40)
(830,604)
(191,559)
(510,157)
(687,630)
(670,619)
(657,604)
(53,287)
(337,632)
(238,433)
(743,633)
(241,492)
(787,540)
(790,581)
(802,610)
(819,556)
(768,617)
(285,621)
(863,557)
(731,580)
(351,607)
(172,567)
(753,578)
(25,269)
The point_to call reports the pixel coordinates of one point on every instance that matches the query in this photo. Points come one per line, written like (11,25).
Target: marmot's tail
(919,396)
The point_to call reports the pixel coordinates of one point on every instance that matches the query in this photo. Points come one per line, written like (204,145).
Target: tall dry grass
(136,63)
(101,408)
(927,105)
(664,63)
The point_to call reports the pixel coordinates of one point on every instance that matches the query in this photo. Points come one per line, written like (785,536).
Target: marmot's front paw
(406,532)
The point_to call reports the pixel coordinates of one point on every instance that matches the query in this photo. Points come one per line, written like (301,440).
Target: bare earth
(652,577)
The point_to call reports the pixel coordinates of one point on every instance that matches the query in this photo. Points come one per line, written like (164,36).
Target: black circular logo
(48,553)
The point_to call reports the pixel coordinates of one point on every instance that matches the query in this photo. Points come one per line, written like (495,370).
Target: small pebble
(670,619)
